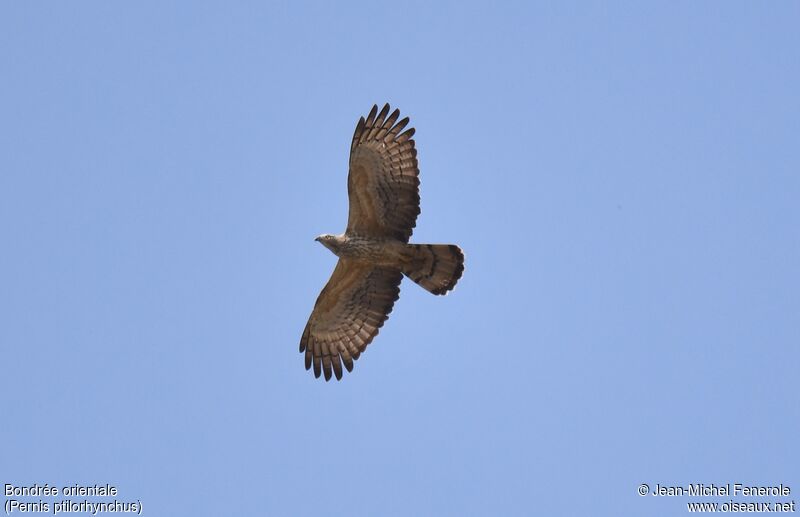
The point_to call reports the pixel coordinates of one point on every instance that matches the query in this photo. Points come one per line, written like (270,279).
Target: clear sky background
(624,180)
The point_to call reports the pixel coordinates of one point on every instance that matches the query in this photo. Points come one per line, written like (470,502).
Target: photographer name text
(722,490)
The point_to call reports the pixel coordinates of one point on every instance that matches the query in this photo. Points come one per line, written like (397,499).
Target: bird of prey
(374,253)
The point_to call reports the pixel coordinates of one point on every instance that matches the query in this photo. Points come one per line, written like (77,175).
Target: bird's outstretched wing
(383,184)
(349,312)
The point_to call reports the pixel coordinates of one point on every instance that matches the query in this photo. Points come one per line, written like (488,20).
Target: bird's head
(329,241)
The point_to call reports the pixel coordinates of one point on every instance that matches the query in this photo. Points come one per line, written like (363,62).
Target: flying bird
(374,253)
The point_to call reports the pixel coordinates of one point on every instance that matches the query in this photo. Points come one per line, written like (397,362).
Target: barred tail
(436,267)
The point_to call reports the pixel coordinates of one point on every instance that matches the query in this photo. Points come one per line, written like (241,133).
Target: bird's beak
(316,239)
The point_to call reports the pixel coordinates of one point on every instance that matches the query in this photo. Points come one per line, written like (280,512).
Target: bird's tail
(436,267)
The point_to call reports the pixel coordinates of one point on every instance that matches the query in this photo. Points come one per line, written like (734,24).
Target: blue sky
(623,178)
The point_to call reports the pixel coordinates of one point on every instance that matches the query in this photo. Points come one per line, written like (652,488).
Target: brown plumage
(374,254)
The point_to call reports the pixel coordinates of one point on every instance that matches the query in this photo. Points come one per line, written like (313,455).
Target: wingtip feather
(371,115)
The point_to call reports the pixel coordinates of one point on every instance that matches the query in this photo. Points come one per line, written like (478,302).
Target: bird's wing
(383,184)
(349,311)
